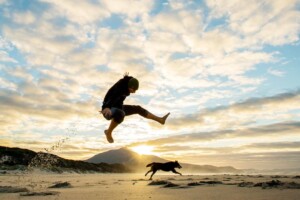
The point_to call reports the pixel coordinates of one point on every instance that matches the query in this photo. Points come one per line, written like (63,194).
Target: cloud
(40,50)
(276,72)
(288,128)
(80,12)
(213,43)
(136,8)
(282,102)
(25,18)
(179,23)
(35,103)
(5,84)
(275,145)
(258,20)
(208,149)
(238,63)
(243,113)
(117,51)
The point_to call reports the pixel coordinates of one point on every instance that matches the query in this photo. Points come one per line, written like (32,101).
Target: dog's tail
(149,165)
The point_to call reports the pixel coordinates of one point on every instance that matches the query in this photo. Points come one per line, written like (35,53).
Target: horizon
(227,71)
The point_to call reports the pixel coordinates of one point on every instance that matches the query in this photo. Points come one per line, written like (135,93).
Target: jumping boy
(114,110)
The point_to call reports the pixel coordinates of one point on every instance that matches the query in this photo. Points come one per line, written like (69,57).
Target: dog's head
(177,165)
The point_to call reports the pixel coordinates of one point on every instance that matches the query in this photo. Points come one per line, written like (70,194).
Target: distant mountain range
(137,163)
(113,161)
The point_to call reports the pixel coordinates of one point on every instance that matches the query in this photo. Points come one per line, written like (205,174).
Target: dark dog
(169,166)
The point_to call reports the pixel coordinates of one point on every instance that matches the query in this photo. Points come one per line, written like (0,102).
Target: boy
(114,110)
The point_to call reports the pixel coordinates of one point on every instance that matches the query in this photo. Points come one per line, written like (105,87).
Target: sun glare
(143,149)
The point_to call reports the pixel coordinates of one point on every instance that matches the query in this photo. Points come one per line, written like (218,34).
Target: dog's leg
(154,171)
(175,172)
(148,172)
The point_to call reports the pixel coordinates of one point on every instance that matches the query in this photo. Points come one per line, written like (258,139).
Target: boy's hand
(106,112)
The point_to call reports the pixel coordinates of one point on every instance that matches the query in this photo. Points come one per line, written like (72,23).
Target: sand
(42,185)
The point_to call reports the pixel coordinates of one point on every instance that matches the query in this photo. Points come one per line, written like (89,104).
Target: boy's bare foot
(109,137)
(164,118)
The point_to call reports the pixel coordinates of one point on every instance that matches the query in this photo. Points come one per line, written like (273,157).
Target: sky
(228,71)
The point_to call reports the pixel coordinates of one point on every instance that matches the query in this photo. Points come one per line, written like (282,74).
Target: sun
(143,149)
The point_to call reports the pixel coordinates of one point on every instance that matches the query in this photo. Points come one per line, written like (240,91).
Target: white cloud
(160,45)
(238,115)
(181,22)
(131,8)
(287,33)
(243,80)
(238,63)
(213,43)
(79,12)
(25,18)
(7,84)
(276,72)
(259,19)
(40,49)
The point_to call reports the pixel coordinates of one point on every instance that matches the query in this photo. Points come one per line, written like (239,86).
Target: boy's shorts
(116,114)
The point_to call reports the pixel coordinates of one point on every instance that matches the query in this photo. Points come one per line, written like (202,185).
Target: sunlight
(143,149)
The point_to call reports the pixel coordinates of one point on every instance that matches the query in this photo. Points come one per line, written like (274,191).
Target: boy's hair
(133,83)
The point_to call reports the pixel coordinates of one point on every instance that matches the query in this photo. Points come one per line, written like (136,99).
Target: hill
(22,159)
(123,155)
(137,163)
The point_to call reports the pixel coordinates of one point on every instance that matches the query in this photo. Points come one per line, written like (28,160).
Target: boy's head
(133,85)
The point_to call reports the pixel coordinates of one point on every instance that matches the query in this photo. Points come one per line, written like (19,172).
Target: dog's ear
(176,161)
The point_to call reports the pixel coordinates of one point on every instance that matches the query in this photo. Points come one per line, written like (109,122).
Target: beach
(136,186)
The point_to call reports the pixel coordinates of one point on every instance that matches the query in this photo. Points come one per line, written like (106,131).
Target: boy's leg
(132,109)
(108,132)
(116,118)
(160,120)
